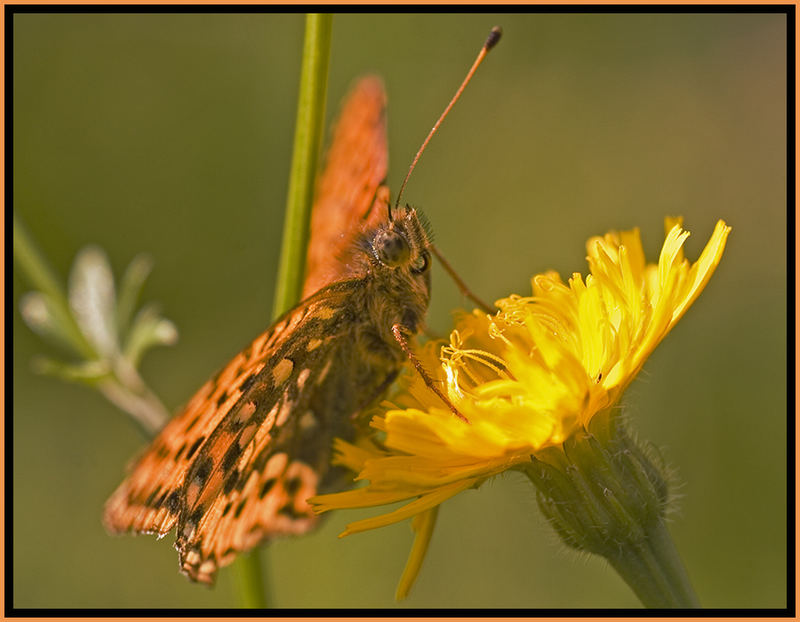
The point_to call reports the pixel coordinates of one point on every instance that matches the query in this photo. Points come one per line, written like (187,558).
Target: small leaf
(148,330)
(37,314)
(130,288)
(87,372)
(48,320)
(91,298)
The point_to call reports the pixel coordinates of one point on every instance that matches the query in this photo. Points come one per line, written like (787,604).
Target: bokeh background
(171,135)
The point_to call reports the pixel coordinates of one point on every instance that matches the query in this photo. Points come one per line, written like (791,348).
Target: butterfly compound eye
(391,248)
(421,263)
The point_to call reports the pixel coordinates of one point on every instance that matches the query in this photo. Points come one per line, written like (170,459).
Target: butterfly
(237,465)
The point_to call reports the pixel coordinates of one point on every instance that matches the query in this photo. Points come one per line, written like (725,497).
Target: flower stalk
(291,271)
(305,157)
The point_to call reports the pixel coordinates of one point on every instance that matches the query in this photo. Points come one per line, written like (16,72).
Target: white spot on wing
(207,567)
(270,420)
(324,372)
(325,313)
(286,408)
(313,344)
(281,371)
(308,420)
(302,377)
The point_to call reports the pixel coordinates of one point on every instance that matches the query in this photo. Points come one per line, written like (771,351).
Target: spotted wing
(349,194)
(237,465)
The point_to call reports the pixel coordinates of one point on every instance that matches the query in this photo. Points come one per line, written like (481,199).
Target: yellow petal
(426,502)
(422,524)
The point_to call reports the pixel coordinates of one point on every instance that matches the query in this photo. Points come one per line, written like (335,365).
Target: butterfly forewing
(150,499)
(349,195)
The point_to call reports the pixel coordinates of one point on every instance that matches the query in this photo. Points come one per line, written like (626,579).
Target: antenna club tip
(493,38)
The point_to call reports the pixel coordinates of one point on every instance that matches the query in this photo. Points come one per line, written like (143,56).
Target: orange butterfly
(236,467)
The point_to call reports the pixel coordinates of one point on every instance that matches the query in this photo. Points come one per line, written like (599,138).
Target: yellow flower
(526,379)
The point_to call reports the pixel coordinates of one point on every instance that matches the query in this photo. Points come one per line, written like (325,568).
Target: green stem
(291,270)
(307,138)
(654,571)
(133,396)
(251,582)
(30,260)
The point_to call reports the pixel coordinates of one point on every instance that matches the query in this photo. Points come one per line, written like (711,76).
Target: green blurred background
(171,134)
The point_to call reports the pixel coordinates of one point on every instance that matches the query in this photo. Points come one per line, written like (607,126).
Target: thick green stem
(291,271)
(251,580)
(653,569)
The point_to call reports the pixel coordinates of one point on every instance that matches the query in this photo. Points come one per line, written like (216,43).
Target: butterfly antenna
(491,41)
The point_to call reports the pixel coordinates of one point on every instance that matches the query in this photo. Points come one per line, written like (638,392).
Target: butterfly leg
(397,331)
(462,287)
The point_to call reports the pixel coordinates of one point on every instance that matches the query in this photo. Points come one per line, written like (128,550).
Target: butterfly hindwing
(237,466)
(148,501)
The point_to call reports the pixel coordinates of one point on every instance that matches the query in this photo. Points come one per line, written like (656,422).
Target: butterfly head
(397,256)
(403,244)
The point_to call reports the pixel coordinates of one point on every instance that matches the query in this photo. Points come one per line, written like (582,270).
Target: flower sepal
(605,494)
